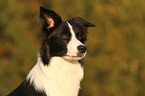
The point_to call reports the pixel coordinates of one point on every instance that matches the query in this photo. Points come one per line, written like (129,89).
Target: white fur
(59,78)
(72,46)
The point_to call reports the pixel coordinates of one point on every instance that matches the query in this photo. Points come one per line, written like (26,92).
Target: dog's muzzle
(82,50)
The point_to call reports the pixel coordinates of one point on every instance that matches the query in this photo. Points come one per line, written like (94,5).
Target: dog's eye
(65,37)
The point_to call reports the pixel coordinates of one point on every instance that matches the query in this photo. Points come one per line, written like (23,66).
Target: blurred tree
(15,56)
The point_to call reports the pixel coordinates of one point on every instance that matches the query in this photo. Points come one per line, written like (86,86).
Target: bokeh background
(115,63)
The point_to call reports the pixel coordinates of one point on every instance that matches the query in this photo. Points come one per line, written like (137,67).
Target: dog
(59,68)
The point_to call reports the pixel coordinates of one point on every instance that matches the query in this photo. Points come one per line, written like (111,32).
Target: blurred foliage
(115,63)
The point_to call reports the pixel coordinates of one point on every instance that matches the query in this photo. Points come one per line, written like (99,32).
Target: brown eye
(65,37)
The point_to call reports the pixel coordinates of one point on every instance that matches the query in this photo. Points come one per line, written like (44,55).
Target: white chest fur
(59,78)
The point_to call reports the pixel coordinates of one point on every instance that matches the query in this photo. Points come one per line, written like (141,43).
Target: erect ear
(82,22)
(49,18)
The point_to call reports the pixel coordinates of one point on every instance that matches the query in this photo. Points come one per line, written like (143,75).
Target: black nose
(82,49)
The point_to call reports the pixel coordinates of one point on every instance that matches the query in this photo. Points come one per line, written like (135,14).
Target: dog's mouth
(78,57)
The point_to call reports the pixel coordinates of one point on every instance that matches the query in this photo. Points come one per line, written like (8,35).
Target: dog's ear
(82,22)
(49,18)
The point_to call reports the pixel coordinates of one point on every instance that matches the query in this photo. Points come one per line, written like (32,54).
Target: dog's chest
(60,78)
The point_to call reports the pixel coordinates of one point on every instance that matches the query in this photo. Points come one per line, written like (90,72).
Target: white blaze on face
(72,47)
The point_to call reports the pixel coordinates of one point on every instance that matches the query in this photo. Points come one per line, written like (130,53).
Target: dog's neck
(59,78)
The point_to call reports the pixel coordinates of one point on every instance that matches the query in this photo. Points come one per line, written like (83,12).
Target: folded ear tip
(93,25)
(83,22)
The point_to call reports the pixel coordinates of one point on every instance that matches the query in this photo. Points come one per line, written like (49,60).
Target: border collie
(59,68)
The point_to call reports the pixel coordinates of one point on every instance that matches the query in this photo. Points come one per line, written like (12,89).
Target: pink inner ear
(50,21)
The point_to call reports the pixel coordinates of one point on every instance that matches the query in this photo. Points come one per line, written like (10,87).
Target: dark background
(115,62)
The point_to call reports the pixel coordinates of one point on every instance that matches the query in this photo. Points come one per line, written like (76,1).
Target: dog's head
(63,39)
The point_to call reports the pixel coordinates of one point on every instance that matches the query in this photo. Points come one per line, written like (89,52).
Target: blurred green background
(115,62)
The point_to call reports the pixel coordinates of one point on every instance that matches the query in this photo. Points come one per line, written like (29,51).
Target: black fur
(25,89)
(44,49)
(55,45)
